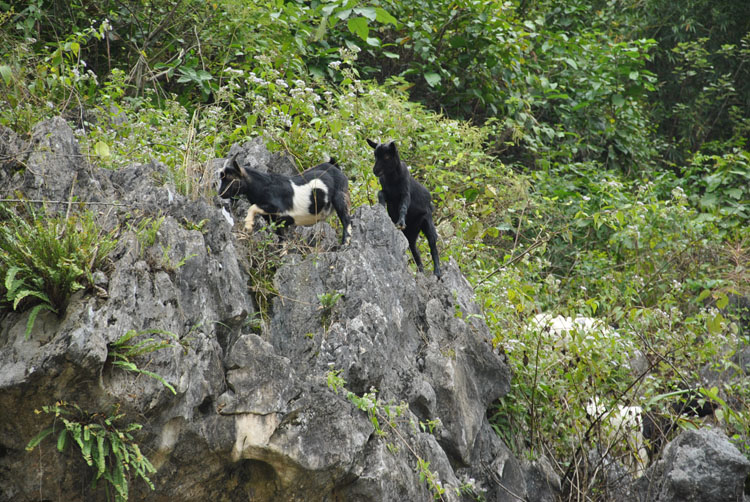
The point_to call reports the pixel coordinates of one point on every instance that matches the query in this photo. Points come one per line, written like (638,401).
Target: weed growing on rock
(124,349)
(327,302)
(384,419)
(105,442)
(146,232)
(16,291)
(264,255)
(45,258)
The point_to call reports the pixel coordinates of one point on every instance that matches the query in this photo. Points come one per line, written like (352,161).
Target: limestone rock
(252,416)
(700,465)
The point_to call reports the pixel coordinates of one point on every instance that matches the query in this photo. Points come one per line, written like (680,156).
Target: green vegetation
(586,158)
(45,258)
(327,302)
(146,231)
(387,422)
(106,444)
(124,349)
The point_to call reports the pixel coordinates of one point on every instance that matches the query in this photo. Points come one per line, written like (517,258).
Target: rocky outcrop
(700,465)
(253,417)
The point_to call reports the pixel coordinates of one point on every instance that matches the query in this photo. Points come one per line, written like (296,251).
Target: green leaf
(432,79)
(10,283)
(704,294)
(62,440)
(102,150)
(101,456)
(126,337)
(620,218)
(159,378)
(709,200)
(735,193)
(368,12)
(6,73)
(383,16)
(722,301)
(32,317)
(343,14)
(714,323)
(38,438)
(121,484)
(86,445)
(618,100)
(359,26)
(321,30)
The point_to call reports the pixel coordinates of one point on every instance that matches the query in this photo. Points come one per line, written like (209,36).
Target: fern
(15,294)
(105,446)
(45,260)
(122,350)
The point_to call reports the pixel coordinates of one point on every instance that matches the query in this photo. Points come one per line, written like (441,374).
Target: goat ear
(392,147)
(372,143)
(234,165)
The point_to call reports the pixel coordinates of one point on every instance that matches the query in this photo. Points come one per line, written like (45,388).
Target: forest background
(586,158)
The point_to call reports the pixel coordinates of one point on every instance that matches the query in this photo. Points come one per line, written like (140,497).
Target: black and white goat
(304,199)
(408,202)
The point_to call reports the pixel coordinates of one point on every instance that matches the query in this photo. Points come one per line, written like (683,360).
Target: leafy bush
(105,443)
(720,187)
(701,63)
(49,257)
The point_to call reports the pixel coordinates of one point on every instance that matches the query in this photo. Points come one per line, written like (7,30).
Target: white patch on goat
(300,210)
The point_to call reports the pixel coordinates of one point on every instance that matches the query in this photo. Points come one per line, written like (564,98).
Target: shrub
(106,444)
(45,258)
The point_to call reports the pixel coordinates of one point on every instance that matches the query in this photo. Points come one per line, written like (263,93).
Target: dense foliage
(586,158)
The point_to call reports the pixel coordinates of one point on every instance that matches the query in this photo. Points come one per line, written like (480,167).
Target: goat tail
(332,160)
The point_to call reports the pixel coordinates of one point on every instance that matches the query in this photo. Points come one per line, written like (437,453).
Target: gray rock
(252,154)
(542,482)
(11,151)
(700,466)
(252,417)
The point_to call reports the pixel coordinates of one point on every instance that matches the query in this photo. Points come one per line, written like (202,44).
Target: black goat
(408,201)
(304,199)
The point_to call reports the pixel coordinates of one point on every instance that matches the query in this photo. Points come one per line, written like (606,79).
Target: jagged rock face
(697,466)
(406,336)
(253,417)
